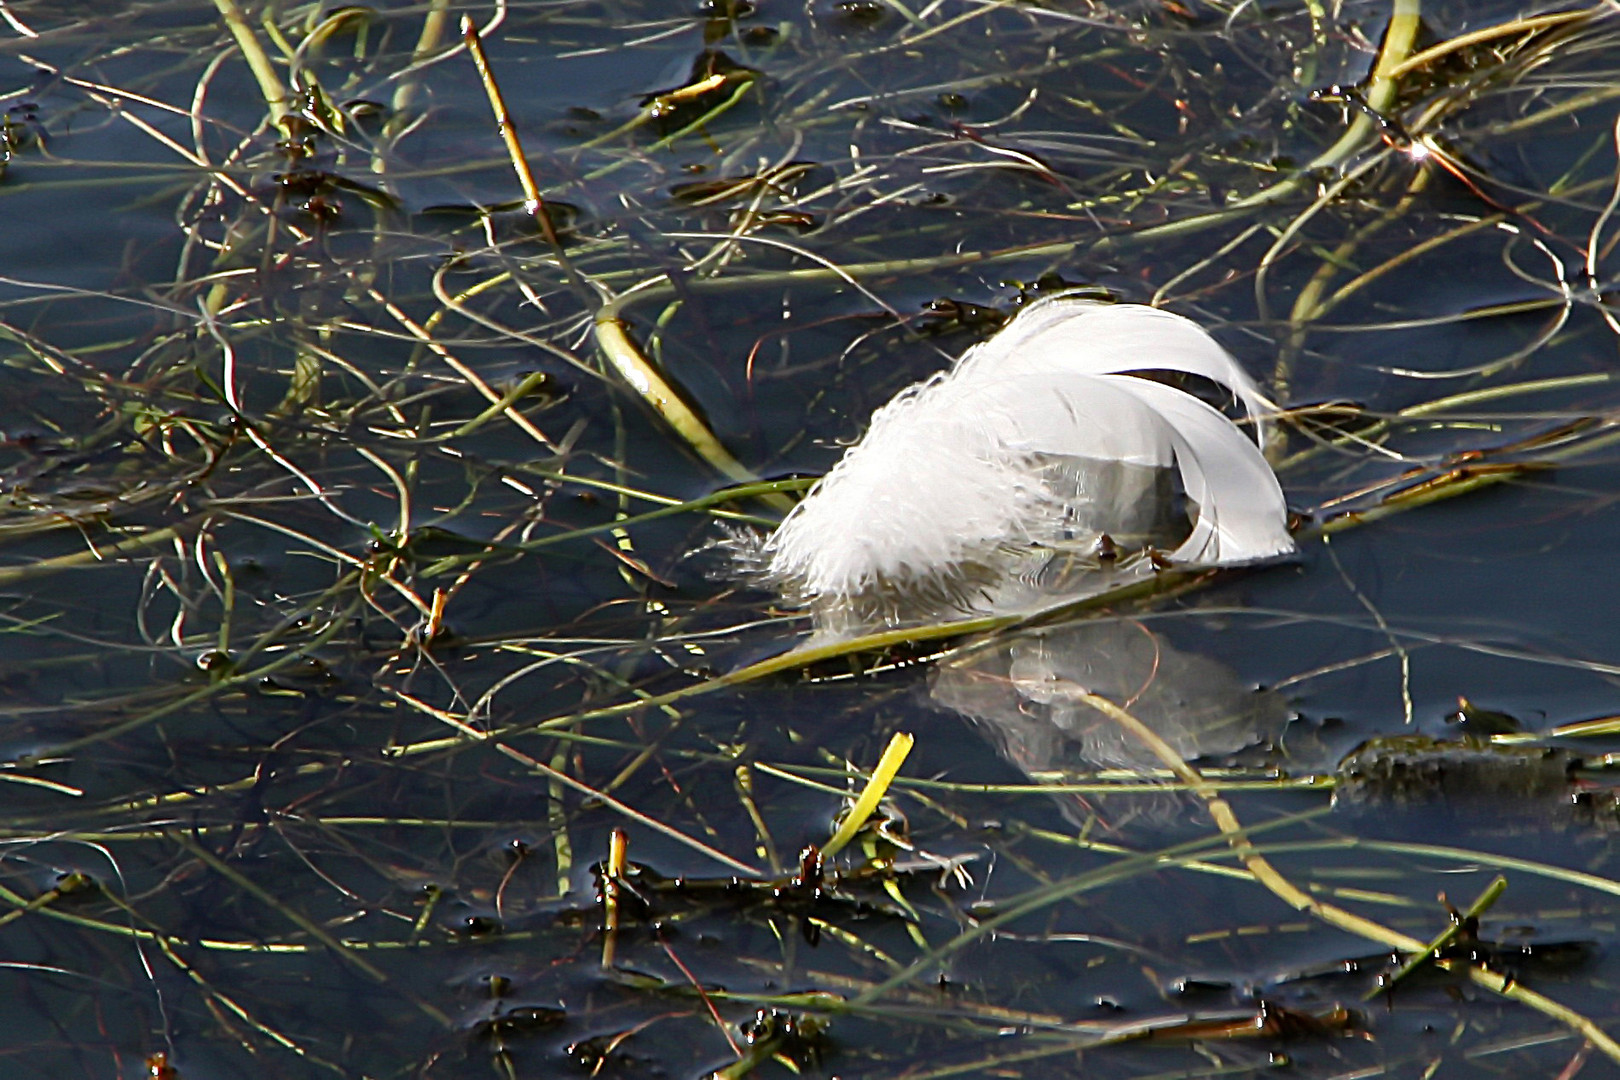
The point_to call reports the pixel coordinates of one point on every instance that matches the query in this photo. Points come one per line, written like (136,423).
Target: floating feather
(1025,473)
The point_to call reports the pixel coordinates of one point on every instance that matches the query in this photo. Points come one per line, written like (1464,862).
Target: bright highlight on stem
(888,766)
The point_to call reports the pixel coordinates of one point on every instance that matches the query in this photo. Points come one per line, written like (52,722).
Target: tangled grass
(357,503)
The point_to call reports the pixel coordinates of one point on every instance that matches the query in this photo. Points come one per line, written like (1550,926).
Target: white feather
(968,485)
(1085,337)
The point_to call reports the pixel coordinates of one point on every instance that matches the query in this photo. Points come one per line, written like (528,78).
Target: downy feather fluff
(970,487)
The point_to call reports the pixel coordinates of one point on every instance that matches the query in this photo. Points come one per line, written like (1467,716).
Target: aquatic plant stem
(612,881)
(427,43)
(1404,22)
(1489,33)
(1459,923)
(613,338)
(894,756)
(1308,305)
(70,883)
(744,85)
(93,555)
(1266,874)
(634,815)
(1453,401)
(296,917)
(437,348)
(270,85)
(533,204)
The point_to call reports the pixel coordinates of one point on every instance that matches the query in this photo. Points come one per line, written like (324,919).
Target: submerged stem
(1404,23)
(270,85)
(1221,811)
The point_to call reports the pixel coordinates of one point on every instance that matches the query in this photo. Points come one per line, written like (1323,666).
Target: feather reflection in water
(990,488)
(1016,690)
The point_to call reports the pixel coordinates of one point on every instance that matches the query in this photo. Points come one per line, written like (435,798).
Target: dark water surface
(262,814)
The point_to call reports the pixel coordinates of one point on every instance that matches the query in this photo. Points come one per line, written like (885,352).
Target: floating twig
(1460,923)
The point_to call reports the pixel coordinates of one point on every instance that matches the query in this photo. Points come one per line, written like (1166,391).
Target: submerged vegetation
(380,699)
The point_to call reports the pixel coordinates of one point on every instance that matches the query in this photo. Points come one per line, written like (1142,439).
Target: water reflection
(1022,691)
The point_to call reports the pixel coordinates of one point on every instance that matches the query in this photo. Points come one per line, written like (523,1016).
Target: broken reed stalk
(612,335)
(612,879)
(533,204)
(894,756)
(1286,891)
(1460,921)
